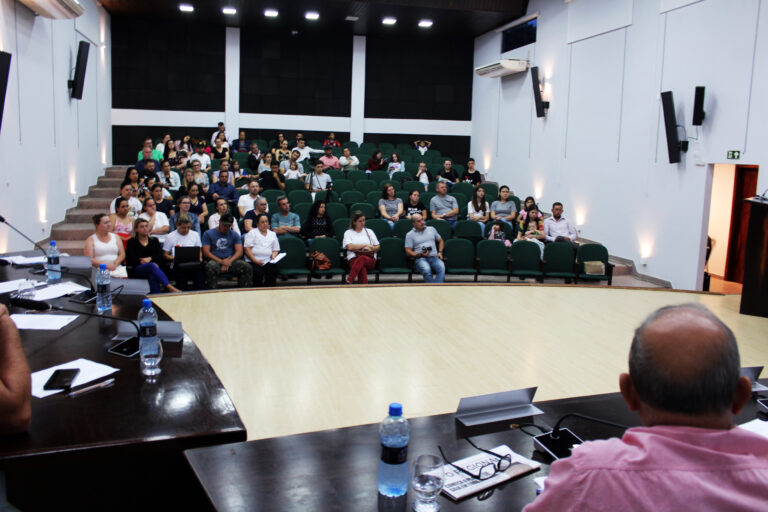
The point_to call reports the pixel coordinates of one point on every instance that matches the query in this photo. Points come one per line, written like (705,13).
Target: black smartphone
(762,405)
(61,379)
(126,348)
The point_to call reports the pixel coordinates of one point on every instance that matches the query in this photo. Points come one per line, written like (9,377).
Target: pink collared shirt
(330,161)
(662,468)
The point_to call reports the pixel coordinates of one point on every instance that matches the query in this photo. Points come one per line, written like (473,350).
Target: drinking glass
(427,481)
(26,290)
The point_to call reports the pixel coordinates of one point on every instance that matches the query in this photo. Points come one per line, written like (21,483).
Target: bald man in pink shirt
(684,383)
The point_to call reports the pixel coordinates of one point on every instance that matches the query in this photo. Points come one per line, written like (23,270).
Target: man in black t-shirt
(272,179)
(448,175)
(472,175)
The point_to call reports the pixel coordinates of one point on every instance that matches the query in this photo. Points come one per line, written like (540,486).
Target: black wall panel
(163,65)
(305,74)
(455,147)
(419,78)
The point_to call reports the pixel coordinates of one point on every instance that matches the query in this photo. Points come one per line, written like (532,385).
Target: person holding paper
(15,381)
(261,247)
(685,385)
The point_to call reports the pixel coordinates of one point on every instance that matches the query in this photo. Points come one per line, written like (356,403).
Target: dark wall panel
(451,146)
(164,65)
(419,78)
(305,74)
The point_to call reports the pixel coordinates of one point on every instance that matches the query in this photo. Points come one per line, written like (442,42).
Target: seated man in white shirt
(557,228)
(245,202)
(222,130)
(222,207)
(318,180)
(205,160)
(304,150)
(183,236)
(348,161)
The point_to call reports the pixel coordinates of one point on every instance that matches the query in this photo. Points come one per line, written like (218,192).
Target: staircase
(70,234)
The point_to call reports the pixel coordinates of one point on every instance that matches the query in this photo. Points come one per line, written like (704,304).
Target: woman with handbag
(361,245)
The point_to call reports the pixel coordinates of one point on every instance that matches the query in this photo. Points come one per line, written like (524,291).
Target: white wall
(601,148)
(53,147)
(720,216)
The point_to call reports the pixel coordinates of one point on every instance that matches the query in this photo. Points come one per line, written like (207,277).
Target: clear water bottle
(393,466)
(103,292)
(52,266)
(150,348)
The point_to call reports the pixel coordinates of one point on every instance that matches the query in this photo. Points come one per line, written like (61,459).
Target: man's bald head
(685,360)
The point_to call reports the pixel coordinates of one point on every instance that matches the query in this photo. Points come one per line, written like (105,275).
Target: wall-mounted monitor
(5,69)
(698,107)
(76,84)
(674,145)
(541,106)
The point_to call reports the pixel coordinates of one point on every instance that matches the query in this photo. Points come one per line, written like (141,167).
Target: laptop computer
(186,258)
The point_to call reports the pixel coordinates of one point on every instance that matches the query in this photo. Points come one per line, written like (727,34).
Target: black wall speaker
(5,69)
(76,84)
(541,105)
(698,107)
(674,146)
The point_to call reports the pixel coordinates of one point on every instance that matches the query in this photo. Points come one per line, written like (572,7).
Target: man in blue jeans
(425,246)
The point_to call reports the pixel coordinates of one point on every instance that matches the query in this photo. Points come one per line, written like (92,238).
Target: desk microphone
(39,305)
(559,441)
(2,220)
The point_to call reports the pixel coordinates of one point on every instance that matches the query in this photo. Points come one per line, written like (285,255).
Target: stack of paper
(42,322)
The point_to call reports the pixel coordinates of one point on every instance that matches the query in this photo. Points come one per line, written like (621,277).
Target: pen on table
(101,385)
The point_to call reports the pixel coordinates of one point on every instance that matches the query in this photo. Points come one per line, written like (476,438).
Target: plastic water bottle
(103,292)
(53,267)
(150,348)
(393,466)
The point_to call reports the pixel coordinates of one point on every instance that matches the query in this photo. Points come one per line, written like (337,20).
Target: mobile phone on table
(61,379)
(127,348)
(762,405)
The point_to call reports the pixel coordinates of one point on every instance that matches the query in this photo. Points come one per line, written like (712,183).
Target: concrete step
(95,202)
(116,171)
(71,247)
(78,231)
(110,192)
(105,181)
(81,215)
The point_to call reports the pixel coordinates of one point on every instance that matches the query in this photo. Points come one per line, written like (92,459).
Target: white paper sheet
(42,322)
(757,426)
(89,371)
(11,286)
(29,260)
(278,257)
(59,290)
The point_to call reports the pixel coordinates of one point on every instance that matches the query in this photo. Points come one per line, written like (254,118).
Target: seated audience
(304,150)
(472,175)
(530,201)
(329,160)
(284,221)
(448,175)
(318,223)
(168,179)
(422,146)
(183,236)
(530,228)
(222,189)
(157,222)
(261,246)
(235,170)
(444,207)
(224,166)
(105,247)
(557,228)
(332,141)
(176,158)
(294,171)
(144,258)
(348,161)
(187,179)
(685,385)
(395,165)
(259,207)
(414,205)
(294,159)
(15,379)
(121,223)
(254,157)
(245,202)
(223,248)
(299,136)
(143,165)
(423,175)
(185,145)
(272,179)
(282,153)
(241,145)
(161,145)
(504,209)
(221,131)
(222,208)
(155,154)
(200,156)
(162,203)
(390,206)
(132,176)
(361,245)
(184,205)
(201,178)
(425,246)
(375,163)
(497,233)
(318,180)
(477,209)
(219,151)
(279,141)
(198,203)
(266,163)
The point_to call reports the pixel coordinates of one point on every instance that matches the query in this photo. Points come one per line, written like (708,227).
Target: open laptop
(186,257)
(753,372)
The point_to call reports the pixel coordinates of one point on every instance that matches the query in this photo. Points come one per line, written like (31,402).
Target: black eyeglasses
(487,470)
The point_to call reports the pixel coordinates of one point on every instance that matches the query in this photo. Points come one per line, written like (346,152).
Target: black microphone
(39,305)
(2,220)
(559,441)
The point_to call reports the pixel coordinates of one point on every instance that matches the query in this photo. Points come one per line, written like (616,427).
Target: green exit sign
(734,155)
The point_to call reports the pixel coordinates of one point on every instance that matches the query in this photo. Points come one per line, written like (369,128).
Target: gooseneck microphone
(2,220)
(39,305)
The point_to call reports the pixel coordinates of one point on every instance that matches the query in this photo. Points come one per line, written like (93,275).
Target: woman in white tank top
(103,246)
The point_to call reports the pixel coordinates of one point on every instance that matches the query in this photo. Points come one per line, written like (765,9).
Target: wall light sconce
(645,253)
(541,106)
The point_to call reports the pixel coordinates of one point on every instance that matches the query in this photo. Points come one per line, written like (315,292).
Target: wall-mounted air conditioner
(502,68)
(55,9)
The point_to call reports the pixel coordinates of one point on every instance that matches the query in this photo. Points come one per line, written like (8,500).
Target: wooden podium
(754,293)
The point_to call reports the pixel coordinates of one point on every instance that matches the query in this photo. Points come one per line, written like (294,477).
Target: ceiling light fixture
(186,8)
(351,18)
(270,13)
(425,23)
(389,20)
(229,10)
(312,15)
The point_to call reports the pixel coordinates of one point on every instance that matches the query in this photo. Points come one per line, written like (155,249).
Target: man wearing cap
(329,159)
(223,250)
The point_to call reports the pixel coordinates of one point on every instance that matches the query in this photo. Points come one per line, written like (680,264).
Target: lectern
(754,293)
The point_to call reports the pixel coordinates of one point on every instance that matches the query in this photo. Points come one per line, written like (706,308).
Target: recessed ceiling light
(186,8)
(389,20)
(351,18)
(229,10)
(270,13)
(312,15)
(425,23)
